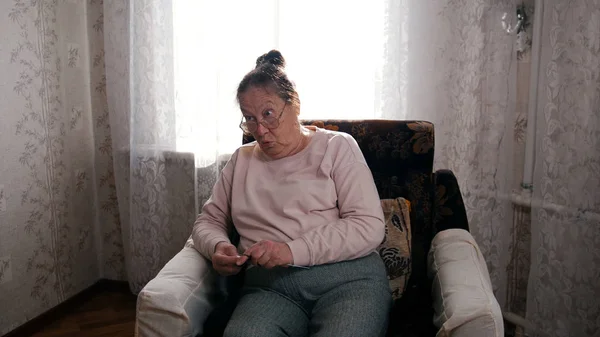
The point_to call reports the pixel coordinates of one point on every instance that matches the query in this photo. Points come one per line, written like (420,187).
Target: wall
(48,218)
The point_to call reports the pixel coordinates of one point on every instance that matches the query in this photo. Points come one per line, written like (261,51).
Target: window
(333,49)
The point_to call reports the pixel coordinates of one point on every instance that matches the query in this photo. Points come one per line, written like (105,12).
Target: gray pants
(350,298)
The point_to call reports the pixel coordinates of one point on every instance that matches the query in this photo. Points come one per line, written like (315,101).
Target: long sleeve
(214,223)
(360,228)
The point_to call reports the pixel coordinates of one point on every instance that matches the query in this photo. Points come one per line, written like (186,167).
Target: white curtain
(172,72)
(154,184)
(172,68)
(461,76)
(564,285)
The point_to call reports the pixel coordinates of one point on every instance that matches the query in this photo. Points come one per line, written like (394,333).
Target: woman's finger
(242,259)
(229,250)
(255,252)
(264,259)
(252,248)
(256,255)
(225,260)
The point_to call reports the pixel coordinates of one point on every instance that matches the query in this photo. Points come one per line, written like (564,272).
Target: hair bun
(273,57)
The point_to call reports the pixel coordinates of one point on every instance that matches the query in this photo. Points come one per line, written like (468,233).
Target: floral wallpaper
(56,151)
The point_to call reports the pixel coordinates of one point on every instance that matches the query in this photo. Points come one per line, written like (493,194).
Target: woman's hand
(226,260)
(269,254)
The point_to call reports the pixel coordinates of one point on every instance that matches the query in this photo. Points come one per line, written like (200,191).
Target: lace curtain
(564,287)
(461,76)
(172,69)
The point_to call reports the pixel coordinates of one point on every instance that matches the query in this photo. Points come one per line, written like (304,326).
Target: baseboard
(36,324)
(112,286)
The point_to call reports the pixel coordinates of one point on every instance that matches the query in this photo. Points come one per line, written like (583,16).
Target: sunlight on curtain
(333,49)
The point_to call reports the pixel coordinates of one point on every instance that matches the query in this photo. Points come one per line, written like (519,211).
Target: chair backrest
(400,156)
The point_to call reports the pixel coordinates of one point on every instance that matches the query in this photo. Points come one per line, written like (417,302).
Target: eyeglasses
(269,122)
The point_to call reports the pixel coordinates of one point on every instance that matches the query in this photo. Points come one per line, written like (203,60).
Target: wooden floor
(107,313)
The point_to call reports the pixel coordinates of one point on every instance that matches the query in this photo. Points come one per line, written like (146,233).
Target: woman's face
(256,104)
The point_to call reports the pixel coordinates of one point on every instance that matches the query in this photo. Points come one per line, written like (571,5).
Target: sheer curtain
(461,76)
(564,286)
(172,69)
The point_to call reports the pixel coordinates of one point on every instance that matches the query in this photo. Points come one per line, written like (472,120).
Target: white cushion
(178,300)
(464,302)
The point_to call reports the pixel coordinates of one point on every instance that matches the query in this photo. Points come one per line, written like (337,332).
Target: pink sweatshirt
(321,201)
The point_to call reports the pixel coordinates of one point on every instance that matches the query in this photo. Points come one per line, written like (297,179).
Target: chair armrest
(449,208)
(178,300)
(463,299)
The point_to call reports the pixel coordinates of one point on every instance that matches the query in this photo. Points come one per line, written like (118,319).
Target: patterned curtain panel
(564,286)
(461,75)
(154,183)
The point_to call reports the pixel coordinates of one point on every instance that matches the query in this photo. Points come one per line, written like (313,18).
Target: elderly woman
(309,218)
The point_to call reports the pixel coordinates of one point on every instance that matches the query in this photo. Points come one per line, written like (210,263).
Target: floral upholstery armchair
(400,156)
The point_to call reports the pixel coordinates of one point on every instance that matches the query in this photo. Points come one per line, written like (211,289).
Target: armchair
(448,293)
